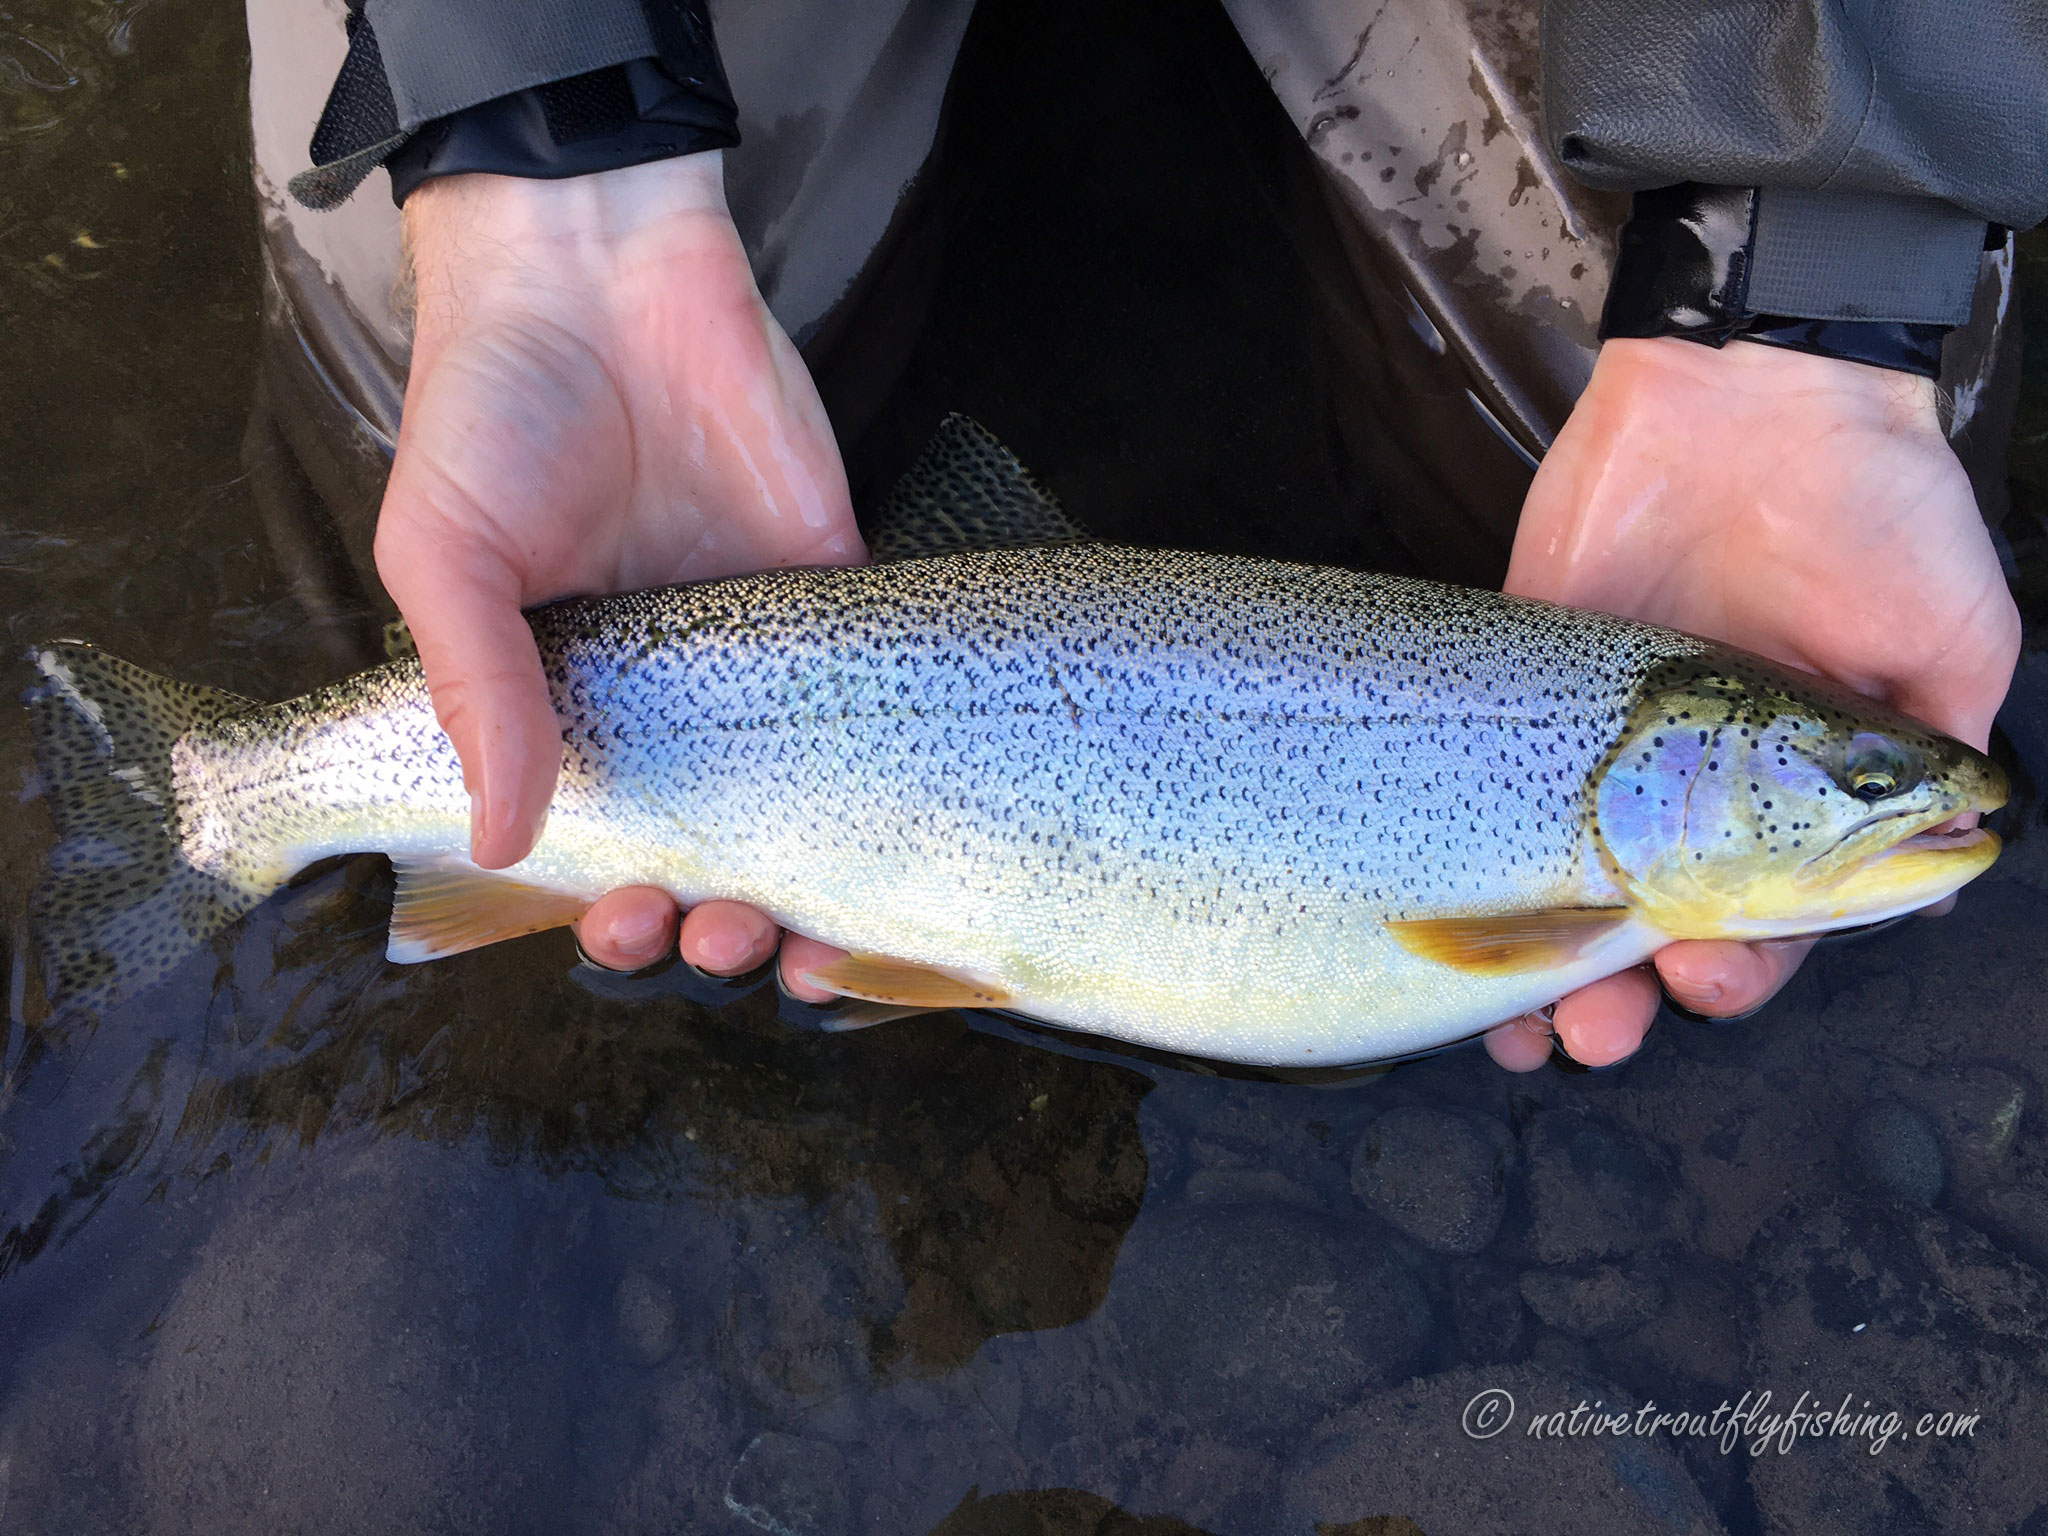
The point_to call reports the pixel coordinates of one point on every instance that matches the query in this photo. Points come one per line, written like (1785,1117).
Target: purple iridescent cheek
(1714,800)
(1642,798)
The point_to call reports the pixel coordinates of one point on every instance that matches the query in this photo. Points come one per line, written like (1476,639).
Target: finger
(1722,978)
(462,600)
(727,938)
(1520,1045)
(800,954)
(628,928)
(1605,1022)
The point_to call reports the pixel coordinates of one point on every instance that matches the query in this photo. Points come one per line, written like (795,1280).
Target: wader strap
(1879,280)
(543,88)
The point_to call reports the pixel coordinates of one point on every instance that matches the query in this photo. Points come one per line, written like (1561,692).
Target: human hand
(1800,507)
(599,401)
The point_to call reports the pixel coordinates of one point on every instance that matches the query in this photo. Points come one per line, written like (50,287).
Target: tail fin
(120,906)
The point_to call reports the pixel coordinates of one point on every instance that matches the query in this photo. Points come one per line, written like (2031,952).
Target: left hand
(1800,507)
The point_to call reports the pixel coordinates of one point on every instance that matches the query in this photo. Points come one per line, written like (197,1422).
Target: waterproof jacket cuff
(1862,276)
(632,81)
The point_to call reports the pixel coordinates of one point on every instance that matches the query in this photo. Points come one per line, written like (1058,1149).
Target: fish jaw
(1916,871)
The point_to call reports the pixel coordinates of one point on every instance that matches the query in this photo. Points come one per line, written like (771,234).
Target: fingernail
(638,933)
(722,949)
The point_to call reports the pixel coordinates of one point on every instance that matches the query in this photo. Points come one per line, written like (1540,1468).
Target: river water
(303,1241)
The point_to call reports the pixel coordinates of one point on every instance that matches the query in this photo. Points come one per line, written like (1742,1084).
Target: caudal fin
(120,905)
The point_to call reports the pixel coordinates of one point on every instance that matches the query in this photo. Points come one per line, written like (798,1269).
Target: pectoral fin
(1508,943)
(898,983)
(445,906)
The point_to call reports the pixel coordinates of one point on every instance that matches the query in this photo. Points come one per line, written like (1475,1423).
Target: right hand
(599,401)
(1804,508)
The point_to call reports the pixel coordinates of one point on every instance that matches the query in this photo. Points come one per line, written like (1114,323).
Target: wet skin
(599,401)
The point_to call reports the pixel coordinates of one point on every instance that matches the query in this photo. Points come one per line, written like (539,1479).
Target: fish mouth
(1901,860)
(1952,840)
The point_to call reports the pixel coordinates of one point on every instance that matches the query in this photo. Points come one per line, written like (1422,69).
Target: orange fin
(445,906)
(1507,943)
(913,988)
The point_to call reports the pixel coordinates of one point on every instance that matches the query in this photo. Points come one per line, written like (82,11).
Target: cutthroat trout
(1228,807)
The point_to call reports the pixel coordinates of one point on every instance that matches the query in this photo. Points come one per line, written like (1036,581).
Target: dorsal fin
(967,491)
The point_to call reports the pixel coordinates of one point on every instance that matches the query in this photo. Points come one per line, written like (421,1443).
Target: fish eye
(1877,768)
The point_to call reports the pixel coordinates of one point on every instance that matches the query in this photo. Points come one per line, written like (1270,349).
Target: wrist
(1769,384)
(480,231)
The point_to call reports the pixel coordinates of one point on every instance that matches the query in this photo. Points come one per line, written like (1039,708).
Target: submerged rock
(1976,1111)
(1893,1151)
(1593,1301)
(1487,1312)
(1701,1334)
(644,1311)
(1598,1191)
(64,1424)
(1052,1512)
(368,1344)
(790,1486)
(1257,1320)
(1453,1454)
(1439,1177)
(2017,1215)
(1900,1312)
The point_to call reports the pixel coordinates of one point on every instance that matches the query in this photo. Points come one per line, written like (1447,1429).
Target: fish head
(1746,801)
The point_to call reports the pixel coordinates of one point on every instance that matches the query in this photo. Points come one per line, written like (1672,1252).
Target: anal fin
(447,905)
(1508,943)
(901,986)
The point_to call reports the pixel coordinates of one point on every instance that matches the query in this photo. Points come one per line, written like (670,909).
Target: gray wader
(1475,267)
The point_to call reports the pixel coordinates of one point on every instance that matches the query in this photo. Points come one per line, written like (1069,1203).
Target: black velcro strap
(586,106)
(610,118)
(358,127)
(626,114)
(1683,269)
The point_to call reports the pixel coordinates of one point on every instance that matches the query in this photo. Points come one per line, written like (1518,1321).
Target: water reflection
(54,57)
(996,1183)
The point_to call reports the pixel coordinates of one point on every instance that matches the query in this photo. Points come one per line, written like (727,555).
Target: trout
(1222,806)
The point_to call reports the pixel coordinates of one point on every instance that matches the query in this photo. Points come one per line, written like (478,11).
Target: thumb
(461,598)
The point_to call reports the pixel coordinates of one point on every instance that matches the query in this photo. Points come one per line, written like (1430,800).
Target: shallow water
(306,1241)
